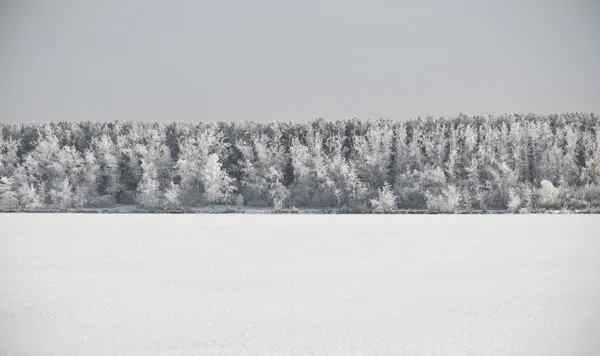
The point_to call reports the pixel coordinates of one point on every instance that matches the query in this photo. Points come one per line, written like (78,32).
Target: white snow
(108,284)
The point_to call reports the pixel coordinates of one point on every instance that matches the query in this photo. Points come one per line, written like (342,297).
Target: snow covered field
(299,284)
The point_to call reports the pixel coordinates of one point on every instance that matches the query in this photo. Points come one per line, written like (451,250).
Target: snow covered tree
(8,197)
(551,162)
(475,199)
(148,191)
(348,189)
(28,197)
(173,196)
(569,168)
(519,155)
(587,150)
(594,163)
(8,155)
(372,154)
(413,188)
(415,155)
(401,154)
(548,195)
(63,196)
(89,176)
(492,163)
(503,181)
(514,203)
(190,168)
(446,202)
(452,162)
(43,166)
(218,185)
(310,173)
(108,176)
(386,200)
(263,165)
(155,151)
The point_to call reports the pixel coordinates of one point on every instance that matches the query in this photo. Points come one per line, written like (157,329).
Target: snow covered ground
(108,284)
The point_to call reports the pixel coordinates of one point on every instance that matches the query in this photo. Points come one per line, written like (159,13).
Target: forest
(509,163)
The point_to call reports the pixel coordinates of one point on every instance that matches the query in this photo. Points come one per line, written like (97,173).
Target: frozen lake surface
(299,284)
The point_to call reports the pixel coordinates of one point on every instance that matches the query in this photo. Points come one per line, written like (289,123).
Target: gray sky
(269,60)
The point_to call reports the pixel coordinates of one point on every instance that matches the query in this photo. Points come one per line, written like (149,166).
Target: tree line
(512,162)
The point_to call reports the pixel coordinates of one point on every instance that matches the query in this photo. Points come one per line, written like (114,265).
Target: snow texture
(114,284)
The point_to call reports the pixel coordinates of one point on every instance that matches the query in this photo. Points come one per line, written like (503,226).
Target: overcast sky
(269,60)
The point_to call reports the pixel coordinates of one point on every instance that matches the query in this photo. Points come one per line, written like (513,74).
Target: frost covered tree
(452,162)
(415,154)
(588,174)
(514,203)
(63,195)
(372,154)
(154,151)
(448,201)
(148,191)
(9,158)
(413,188)
(8,197)
(401,165)
(385,201)
(348,189)
(89,176)
(594,162)
(263,166)
(191,169)
(551,162)
(29,198)
(569,167)
(503,181)
(548,195)
(43,165)
(519,154)
(218,184)
(108,176)
(491,163)
(312,184)
(173,196)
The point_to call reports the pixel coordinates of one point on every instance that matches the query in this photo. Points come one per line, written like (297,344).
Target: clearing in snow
(299,284)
